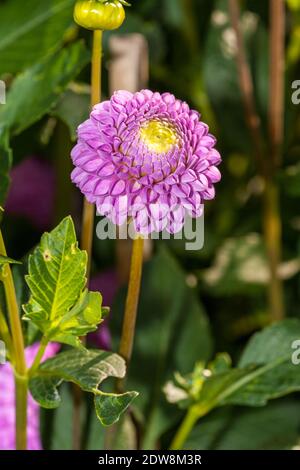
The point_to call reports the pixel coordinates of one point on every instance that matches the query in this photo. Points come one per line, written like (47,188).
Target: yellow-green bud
(99,14)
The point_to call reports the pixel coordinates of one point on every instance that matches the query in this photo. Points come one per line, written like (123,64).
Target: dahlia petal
(102,187)
(118,188)
(152,148)
(213,174)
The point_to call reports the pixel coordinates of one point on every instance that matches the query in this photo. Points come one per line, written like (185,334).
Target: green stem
(19,352)
(39,356)
(21,411)
(88,217)
(272,234)
(89,209)
(130,315)
(185,429)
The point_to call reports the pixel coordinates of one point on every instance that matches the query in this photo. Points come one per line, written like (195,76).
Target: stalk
(267,162)
(273,225)
(88,217)
(19,353)
(89,209)
(185,429)
(130,315)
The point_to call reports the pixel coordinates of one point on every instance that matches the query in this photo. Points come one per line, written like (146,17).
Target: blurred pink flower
(31,194)
(107,284)
(7,404)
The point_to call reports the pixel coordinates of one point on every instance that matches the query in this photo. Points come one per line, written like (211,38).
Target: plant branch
(130,315)
(185,429)
(88,208)
(276,97)
(19,352)
(266,162)
(88,217)
(247,90)
(272,219)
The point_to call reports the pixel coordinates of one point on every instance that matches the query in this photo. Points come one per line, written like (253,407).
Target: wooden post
(128,70)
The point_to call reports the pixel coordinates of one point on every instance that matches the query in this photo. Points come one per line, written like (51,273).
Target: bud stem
(88,209)
(88,217)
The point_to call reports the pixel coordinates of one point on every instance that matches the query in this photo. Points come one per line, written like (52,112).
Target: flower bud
(99,14)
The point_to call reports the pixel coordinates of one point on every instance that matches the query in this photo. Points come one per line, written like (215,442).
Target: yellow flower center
(159,136)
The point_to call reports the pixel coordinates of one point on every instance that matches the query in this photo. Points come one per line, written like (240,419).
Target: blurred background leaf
(31,29)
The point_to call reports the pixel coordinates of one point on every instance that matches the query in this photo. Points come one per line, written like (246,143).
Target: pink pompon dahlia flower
(146,157)
(7,403)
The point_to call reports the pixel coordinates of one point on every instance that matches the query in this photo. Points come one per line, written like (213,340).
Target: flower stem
(88,217)
(21,384)
(89,209)
(19,352)
(272,235)
(130,315)
(273,224)
(267,161)
(185,429)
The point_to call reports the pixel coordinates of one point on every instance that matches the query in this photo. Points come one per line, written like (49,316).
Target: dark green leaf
(35,91)
(88,369)
(274,427)
(73,108)
(110,407)
(29,30)
(265,372)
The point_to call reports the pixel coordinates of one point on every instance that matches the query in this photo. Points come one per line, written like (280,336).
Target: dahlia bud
(100,14)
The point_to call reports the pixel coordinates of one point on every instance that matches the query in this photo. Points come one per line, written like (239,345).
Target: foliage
(265,371)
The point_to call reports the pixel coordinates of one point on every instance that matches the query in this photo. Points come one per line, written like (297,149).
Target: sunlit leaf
(59,305)
(87,369)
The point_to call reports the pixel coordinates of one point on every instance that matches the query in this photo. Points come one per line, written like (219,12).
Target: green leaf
(172,333)
(110,407)
(36,91)
(59,305)
(30,30)
(265,372)
(87,369)
(5,164)
(273,427)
